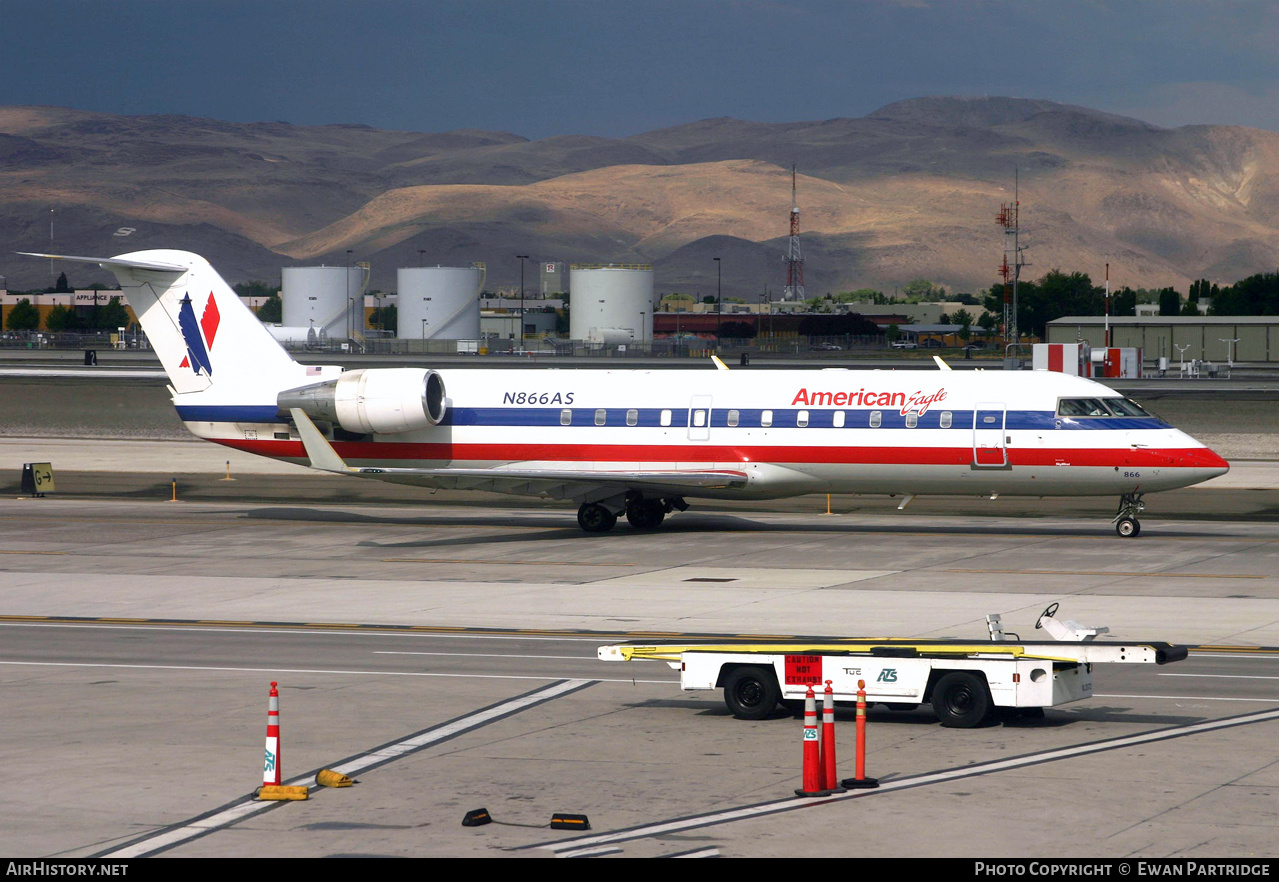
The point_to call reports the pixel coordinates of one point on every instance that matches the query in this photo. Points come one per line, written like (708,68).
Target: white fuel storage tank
(610,303)
(439,302)
(329,299)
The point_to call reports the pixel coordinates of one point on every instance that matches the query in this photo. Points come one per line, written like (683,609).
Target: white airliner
(641,442)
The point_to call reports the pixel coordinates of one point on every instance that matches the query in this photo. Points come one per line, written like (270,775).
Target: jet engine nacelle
(382,400)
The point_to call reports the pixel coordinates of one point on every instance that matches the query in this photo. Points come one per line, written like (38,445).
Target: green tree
(60,318)
(1123,302)
(922,289)
(23,317)
(62,287)
(387,318)
(272,310)
(113,315)
(1255,295)
(255,289)
(1169,301)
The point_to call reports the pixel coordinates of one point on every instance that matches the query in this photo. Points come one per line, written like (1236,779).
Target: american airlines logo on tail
(198,335)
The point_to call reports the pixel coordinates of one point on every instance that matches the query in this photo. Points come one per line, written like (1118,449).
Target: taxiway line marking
(1224,676)
(522,563)
(490,655)
(238,811)
(1110,573)
(709,819)
(273,671)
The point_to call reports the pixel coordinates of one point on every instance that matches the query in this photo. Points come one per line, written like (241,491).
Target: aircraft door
(699,418)
(990,449)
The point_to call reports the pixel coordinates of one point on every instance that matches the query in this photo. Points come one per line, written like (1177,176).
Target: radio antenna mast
(794,261)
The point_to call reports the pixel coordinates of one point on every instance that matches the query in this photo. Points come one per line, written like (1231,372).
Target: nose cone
(1201,463)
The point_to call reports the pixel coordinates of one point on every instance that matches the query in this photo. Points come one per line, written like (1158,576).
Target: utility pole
(719,304)
(522,258)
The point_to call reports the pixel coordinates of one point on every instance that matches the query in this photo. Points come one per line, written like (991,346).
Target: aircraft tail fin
(197,325)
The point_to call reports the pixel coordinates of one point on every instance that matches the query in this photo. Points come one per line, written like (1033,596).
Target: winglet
(941,364)
(318,449)
(719,365)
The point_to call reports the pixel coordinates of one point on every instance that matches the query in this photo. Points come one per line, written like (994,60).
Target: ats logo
(198,335)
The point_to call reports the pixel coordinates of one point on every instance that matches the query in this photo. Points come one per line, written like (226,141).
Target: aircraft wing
(558,483)
(575,484)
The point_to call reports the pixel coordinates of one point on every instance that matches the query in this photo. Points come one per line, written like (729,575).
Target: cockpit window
(1100,407)
(1127,407)
(1081,407)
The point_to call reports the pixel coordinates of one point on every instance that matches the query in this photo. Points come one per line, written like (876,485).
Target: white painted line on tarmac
(320,671)
(677,825)
(600,851)
(477,655)
(1186,697)
(363,631)
(233,814)
(1225,676)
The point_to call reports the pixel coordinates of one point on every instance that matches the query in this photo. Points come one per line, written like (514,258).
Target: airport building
(1178,338)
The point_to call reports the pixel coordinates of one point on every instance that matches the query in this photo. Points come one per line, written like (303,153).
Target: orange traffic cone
(271,769)
(812,758)
(830,780)
(861,781)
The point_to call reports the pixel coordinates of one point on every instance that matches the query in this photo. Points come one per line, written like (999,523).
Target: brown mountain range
(909,191)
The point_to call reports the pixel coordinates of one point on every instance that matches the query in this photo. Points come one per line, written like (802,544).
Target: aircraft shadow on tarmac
(560,526)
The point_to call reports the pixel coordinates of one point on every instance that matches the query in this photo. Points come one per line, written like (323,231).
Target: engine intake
(382,400)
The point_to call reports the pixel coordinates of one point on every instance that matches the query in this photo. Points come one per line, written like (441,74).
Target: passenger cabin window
(566,417)
(733,418)
(838,420)
(666,418)
(766,419)
(699,418)
(876,419)
(801,419)
(912,420)
(632,417)
(945,419)
(600,416)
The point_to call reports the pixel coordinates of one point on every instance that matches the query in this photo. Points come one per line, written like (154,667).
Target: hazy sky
(618,67)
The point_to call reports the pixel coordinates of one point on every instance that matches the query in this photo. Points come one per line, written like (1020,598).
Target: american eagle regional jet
(641,442)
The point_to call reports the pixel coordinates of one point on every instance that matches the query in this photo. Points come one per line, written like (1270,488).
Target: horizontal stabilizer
(109,262)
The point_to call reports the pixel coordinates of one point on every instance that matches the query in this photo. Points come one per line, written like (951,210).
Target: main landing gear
(1125,519)
(644,514)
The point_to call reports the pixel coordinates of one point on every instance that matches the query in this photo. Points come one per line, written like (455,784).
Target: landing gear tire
(1126,523)
(646,514)
(751,693)
(595,518)
(1128,528)
(961,700)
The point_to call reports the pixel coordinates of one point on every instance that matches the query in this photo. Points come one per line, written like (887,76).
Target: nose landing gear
(1125,519)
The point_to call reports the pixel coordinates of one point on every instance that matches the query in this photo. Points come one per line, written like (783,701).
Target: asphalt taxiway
(446,653)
